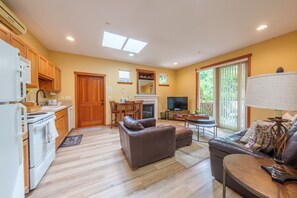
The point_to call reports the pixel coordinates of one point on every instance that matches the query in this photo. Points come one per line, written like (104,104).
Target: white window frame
(124,79)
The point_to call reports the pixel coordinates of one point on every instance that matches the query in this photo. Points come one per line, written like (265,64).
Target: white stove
(37,116)
(41,150)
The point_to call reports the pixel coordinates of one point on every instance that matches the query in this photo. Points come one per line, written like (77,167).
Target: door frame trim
(76,75)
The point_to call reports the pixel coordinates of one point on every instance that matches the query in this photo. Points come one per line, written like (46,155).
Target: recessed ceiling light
(134,46)
(175,63)
(70,38)
(131,54)
(262,27)
(114,41)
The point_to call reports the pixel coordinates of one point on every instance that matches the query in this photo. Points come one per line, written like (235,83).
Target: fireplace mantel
(149,99)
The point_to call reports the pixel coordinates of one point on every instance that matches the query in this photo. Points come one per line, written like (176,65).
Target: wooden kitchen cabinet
(57,80)
(4,34)
(16,42)
(52,85)
(33,56)
(61,125)
(26,161)
(26,165)
(42,66)
(50,70)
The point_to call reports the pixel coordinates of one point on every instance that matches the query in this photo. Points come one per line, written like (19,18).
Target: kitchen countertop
(54,108)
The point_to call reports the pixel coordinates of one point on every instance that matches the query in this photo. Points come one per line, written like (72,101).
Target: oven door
(39,146)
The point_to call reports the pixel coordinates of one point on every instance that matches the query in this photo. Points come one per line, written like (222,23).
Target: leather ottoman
(183,136)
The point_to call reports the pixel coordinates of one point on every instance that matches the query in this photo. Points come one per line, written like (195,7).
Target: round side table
(246,170)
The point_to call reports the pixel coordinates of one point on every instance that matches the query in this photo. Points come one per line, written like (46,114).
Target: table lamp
(277,91)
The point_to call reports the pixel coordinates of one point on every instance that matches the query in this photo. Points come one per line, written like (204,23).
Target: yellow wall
(266,57)
(69,63)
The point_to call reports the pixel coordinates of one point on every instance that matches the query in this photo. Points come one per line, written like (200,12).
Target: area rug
(71,140)
(191,155)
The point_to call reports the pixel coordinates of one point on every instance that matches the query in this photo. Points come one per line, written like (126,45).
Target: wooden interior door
(90,101)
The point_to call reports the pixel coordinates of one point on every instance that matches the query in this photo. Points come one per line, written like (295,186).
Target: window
(163,79)
(124,75)
(221,93)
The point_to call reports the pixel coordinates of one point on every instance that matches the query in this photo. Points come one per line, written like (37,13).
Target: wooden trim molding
(164,85)
(197,88)
(226,61)
(76,74)
(249,73)
(126,83)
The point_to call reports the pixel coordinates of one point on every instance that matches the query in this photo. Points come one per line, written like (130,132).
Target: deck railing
(206,108)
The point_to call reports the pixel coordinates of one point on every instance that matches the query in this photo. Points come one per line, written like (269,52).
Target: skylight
(114,41)
(134,46)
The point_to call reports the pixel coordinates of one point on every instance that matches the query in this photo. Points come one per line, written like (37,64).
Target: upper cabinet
(33,56)
(41,68)
(51,70)
(57,80)
(52,85)
(16,42)
(4,34)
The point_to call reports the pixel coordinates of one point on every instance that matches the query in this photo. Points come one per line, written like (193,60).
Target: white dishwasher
(70,119)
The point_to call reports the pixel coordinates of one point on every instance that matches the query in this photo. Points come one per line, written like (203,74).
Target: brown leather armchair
(147,145)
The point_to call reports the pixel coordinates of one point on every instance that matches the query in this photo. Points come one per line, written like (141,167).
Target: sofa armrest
(148,122)
(241,133)
(223,146)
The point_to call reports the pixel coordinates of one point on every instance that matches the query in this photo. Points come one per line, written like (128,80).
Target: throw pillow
(132,124)
(262,139)
(249,135)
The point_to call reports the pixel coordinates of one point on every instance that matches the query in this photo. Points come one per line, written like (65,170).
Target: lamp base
(279,174)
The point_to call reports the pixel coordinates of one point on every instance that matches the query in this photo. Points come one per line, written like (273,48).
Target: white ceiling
(183,31)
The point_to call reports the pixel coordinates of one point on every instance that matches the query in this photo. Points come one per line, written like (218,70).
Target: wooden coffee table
(246,170)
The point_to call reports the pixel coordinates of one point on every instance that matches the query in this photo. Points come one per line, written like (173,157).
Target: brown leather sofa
(221,147)
(147,144)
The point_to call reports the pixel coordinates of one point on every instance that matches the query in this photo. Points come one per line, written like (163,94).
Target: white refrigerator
(12,92)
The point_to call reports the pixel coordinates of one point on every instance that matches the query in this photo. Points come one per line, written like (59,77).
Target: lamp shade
(277,91)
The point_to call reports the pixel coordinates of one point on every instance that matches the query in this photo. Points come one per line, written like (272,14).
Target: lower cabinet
(62,126)
(26,163)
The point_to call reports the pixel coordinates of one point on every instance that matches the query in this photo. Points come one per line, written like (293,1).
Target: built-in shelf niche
(146,82)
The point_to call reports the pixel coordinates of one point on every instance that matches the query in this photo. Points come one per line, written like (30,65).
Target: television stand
(177,115)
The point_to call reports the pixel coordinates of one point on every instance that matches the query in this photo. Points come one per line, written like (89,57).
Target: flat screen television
(177,103)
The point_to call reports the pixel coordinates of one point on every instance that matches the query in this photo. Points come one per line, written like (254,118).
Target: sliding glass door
(206,92)
(222,94)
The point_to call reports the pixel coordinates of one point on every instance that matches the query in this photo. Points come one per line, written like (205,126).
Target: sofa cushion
(131,124)
(290,154)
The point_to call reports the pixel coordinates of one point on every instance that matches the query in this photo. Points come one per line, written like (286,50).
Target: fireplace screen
(148,111)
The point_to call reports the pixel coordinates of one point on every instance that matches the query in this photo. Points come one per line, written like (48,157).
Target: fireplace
(148,111)
(152,101)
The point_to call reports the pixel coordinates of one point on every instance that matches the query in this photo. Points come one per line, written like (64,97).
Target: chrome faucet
(44,96)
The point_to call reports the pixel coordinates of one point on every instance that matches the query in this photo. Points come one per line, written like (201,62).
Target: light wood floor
(98,168)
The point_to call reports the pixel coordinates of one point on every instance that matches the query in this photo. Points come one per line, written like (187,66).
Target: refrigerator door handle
(22,93)
(21,133)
